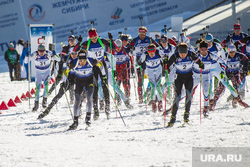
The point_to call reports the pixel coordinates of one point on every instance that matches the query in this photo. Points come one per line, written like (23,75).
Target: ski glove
(201,65)
(165,61)
(115,74)
(53,52)
(110,36)
(79,39)
(222,74)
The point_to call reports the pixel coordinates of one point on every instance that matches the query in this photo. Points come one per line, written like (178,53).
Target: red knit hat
(142,30)
(92,33)
(237,27)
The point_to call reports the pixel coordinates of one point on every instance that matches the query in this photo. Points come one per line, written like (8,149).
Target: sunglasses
(124,38)
(82,54)
(41,50)
(74,53)
(82,60)
(163,40)
(94,38)
(151,50)
(203,49)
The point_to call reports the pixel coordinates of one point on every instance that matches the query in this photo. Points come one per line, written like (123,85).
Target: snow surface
(26,141)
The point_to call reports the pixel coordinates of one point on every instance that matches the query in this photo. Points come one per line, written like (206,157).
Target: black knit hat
(82,54)
(182,48)
(203,44)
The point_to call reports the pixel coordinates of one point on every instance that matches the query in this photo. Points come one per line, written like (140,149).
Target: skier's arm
(6,57)
(196,59)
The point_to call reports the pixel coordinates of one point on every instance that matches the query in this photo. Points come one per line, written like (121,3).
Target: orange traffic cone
(4,106)
(17,100)
(11,103)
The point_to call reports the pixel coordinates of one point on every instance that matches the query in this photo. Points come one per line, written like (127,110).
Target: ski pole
(68,103)
(29,70)
(200,93)
(165,113)
(144,94)
(115,104)
(113,75)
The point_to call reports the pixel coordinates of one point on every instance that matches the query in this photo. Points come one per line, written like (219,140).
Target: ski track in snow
(26,141)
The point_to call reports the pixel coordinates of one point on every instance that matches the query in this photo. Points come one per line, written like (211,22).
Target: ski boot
(171,122)
(43,114)
(119,101)
(212,104)
(128,105)
(44,103)
(96,114)
(160,106)
(242,94)
(87,118)
(230,97)
(140,100)
(234,102)
(35,108)
(205,111)
(75,123)
(101,104)
(107,111)
(186,117)
(154,108)
(241,102)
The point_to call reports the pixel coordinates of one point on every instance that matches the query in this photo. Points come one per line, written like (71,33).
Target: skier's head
(41,49)
(11,46)
(20,41)
(183,50)
(124,39)
(157,36)
(203,48)
(93,35)
(82,56)
(231,50)
(72,40)
(163,41)
(151,48)
(142,32)
(209,39)
(237,29)
(64,50)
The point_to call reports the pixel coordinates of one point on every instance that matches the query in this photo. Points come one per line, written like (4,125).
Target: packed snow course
(144,141)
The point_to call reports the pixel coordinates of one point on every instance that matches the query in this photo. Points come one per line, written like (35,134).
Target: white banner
(39,34)
(76,15)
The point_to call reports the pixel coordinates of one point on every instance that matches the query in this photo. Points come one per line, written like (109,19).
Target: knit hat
(183,48)
(203,44)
